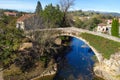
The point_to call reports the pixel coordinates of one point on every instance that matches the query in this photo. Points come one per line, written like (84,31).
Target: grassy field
(104,46)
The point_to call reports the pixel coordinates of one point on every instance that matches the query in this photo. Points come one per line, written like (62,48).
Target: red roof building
(21,21)
(10,14)
(24,17)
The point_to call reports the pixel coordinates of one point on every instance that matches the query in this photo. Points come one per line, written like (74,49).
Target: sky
(30,5)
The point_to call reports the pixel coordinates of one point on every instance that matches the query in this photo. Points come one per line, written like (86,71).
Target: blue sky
(30,5)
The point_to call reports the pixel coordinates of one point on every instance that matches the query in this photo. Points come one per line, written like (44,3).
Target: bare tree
(65,6)
(34,22)
(42,40)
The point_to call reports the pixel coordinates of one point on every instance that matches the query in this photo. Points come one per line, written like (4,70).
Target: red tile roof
(101,24)
(24,17)
(10,13)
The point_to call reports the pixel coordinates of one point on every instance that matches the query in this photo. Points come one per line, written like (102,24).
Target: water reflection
(77,63)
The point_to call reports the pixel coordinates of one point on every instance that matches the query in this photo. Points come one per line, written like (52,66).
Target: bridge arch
(98,55)
(75,32)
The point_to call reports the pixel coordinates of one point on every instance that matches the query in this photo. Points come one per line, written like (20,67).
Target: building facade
(21,21)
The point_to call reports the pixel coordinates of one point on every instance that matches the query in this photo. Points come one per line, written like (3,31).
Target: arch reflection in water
(77,64)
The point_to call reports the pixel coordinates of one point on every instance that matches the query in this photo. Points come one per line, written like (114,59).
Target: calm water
(77,64)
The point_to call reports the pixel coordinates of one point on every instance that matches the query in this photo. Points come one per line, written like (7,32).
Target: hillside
(91,12)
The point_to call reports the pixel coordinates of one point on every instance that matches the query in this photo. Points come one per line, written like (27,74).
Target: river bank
(74,61)
(82,61)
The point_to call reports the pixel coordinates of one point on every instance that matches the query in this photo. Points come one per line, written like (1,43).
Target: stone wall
(109,69)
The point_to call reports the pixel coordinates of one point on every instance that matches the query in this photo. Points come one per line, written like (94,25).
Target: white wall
(20,25)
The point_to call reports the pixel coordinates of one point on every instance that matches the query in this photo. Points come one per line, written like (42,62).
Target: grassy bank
(104,46)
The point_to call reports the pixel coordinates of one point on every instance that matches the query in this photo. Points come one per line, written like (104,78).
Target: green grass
(103,45)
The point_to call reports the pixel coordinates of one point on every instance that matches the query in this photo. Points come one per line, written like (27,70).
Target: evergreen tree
(38,8)
(52,16)
(115,28)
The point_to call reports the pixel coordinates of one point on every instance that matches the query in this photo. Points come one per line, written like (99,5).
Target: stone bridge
(75,32)
(107,69)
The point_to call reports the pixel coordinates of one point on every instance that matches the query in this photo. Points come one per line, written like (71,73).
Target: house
(10,14)
(104,28)
(21,21)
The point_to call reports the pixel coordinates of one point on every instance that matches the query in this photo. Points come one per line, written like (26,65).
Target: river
(77,64)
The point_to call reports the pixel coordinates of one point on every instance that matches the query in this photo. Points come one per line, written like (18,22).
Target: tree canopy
(38,8)
(65,6)
(52,16)
(10,39)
